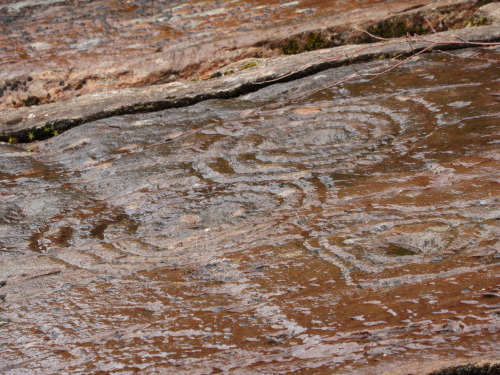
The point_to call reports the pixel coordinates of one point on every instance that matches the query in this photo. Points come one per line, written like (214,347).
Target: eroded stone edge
(25,124)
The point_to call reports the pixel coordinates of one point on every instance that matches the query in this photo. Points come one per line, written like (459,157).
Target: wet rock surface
(353,231)
(44,121)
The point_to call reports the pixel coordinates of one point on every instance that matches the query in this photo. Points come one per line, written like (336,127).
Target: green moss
(197,79)
(290,47)
(13,140)
(31,136)
(393,55)
(389,29)
(314,41)
(228,72)
(477,21)
(248,65)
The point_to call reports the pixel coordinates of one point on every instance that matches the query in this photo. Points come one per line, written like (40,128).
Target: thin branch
(409,43)
(370,46)
(370,34)
(430,25)
(405,60)
(473,57)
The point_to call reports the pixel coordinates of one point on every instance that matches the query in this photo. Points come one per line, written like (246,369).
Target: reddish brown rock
(268,221)
(95,46)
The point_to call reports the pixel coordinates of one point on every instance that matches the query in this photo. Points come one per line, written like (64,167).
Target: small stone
(66,286)
(4,321)
(104,278)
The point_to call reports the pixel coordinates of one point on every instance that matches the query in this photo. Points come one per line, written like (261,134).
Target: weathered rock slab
(355,229)
(97,46)
(42,120)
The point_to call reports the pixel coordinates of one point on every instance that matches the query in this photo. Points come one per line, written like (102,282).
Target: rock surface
(265,228)
(43,120)
(99,45)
